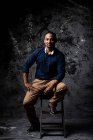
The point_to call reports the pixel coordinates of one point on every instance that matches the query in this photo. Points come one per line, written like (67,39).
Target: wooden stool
(62,123)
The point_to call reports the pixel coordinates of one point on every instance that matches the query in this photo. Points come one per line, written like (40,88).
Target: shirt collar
(50,53)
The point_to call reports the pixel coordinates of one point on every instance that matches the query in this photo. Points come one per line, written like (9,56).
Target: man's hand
(50,86)
(28,86)
(26,83)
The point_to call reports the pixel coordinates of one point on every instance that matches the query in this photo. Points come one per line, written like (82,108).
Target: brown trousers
(31,97)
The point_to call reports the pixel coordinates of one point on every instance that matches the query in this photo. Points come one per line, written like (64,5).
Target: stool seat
(61,124)
(45,96)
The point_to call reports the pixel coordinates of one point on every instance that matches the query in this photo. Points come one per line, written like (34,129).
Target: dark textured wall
(73,25)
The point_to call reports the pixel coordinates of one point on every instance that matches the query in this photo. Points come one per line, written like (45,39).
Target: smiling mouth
(49,44)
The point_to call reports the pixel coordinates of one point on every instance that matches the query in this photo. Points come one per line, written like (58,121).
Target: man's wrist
(25,83)
(55,81)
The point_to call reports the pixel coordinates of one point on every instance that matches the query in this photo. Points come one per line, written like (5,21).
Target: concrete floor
(15,129)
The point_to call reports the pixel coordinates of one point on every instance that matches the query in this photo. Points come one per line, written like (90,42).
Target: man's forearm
(25,78)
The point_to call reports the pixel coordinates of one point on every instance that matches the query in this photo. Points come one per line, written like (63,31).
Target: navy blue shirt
(48,66)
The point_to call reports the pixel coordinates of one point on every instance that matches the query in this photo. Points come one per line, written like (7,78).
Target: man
(50,71)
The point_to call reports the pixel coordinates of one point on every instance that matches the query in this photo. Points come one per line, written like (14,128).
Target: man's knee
(61,86)
(65,87)
(25,103)
(29,101)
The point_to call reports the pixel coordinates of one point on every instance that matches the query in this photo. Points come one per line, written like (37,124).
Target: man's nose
(49,41)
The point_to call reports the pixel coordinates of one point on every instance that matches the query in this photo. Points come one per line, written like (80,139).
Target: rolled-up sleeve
(60,68)
(29,62)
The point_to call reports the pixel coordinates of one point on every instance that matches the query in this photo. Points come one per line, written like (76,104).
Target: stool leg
(41,119)
(63,120)
(62,112)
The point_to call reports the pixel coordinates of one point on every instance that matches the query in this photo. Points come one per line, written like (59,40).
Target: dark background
(22,25)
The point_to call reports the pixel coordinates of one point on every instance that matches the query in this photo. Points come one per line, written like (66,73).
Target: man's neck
(49,49)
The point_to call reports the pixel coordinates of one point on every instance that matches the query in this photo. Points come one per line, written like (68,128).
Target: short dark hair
(54,35)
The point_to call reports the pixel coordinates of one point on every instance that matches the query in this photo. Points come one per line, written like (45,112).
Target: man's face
(49,40)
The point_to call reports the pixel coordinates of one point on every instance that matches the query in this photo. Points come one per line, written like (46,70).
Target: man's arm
(60,68)
(59,76)
(25,67)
